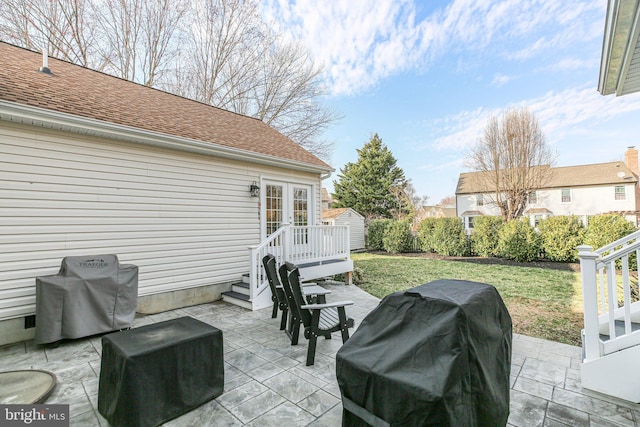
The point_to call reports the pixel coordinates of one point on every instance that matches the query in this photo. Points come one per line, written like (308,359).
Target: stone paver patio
(268,384)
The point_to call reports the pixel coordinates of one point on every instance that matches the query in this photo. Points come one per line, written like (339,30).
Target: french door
(286,202)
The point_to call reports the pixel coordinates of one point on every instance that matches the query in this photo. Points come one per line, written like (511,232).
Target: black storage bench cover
(438,354)
(157,372)
(89,295)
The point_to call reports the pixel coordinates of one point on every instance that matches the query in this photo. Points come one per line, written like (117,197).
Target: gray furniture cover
(435,355)
(89,295)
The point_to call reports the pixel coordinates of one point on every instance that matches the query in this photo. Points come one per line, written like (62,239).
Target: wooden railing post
(590,297)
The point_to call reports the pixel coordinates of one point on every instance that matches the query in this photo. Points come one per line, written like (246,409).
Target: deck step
(237,298)
(241,288)
(620,329)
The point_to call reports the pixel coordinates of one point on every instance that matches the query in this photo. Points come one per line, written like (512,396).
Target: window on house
(533,198)
(479,200)
(470,222)
(621,194)
(566,195)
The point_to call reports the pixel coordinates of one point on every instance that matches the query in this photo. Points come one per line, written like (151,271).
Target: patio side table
(157,372)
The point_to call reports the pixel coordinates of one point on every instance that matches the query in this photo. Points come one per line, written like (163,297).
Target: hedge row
(555,239)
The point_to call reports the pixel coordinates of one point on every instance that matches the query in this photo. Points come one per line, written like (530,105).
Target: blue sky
(426,76)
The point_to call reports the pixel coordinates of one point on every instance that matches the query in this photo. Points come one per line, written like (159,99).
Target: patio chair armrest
(328,305)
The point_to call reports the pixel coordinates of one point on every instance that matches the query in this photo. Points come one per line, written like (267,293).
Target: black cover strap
(363,414)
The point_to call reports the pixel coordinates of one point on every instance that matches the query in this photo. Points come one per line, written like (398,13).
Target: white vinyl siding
(185,219)
(356,227)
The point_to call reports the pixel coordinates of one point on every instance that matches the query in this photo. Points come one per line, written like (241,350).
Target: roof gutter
(41,117)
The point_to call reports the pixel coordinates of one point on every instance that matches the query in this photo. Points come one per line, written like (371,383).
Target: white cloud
(561,114)
(362,42)
(500,80)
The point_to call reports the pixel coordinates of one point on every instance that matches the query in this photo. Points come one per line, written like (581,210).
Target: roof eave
(618,45)
(41,117)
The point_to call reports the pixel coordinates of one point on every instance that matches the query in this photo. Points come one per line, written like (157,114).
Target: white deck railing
(602,288)
(299,245)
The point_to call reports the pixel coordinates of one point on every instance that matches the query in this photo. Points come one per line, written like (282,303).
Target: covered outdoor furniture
(318,319)
(438,354)
(89,295)
(157,372)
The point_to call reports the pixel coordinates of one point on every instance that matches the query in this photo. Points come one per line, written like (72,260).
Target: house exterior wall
(585,201)
(185,219)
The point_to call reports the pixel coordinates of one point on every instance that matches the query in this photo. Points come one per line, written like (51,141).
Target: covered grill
(89,295)
(437,354)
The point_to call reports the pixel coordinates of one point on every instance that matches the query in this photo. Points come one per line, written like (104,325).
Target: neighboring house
(573,190)
(327,200)
(435,211)
(192,194)
(347,216)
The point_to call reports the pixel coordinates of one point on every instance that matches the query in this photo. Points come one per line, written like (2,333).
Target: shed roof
(337,212)
(561,177)
(82,92)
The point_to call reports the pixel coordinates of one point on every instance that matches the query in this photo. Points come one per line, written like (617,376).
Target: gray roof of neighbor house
(620,58)
(561,177)
(80,92)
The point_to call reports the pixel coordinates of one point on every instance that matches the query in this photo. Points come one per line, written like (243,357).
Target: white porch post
(590,299)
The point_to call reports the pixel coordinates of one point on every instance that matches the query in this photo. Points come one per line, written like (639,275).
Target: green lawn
(543,302)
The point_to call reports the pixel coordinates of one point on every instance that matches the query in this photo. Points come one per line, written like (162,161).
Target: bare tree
(66,27)
(137,36)
(513,159)
(236,62)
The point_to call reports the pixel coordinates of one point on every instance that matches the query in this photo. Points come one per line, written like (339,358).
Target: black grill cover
(89,295)
(438,354)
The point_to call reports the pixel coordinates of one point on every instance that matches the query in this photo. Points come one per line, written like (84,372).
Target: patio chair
(318,319)
(277,292)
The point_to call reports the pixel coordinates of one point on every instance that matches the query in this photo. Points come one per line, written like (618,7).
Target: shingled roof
(561,177)
(90,94)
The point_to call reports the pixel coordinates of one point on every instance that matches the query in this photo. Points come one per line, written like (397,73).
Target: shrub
(561,235)
(397,237)
(449,237)
(376,231)
(518,241)
(425,234)
(484,237)
(605,229)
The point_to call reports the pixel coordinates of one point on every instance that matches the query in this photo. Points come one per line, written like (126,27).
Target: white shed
(347,216)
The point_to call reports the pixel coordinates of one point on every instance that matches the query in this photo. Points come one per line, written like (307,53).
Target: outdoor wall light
(254,190)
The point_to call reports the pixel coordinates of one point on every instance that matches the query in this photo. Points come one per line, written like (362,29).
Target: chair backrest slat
(290,278)
(269,263)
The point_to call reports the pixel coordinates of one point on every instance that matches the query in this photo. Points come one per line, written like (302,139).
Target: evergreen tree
(369,185)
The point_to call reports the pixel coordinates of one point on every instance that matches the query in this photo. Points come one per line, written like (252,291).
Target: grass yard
(543,302)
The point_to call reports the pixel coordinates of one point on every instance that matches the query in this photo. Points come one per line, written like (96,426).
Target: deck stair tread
(620,329)
(323,262)
(236,295)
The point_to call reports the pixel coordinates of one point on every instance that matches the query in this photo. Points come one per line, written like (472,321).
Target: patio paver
(268,384)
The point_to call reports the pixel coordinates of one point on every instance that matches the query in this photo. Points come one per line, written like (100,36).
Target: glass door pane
(274,207)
